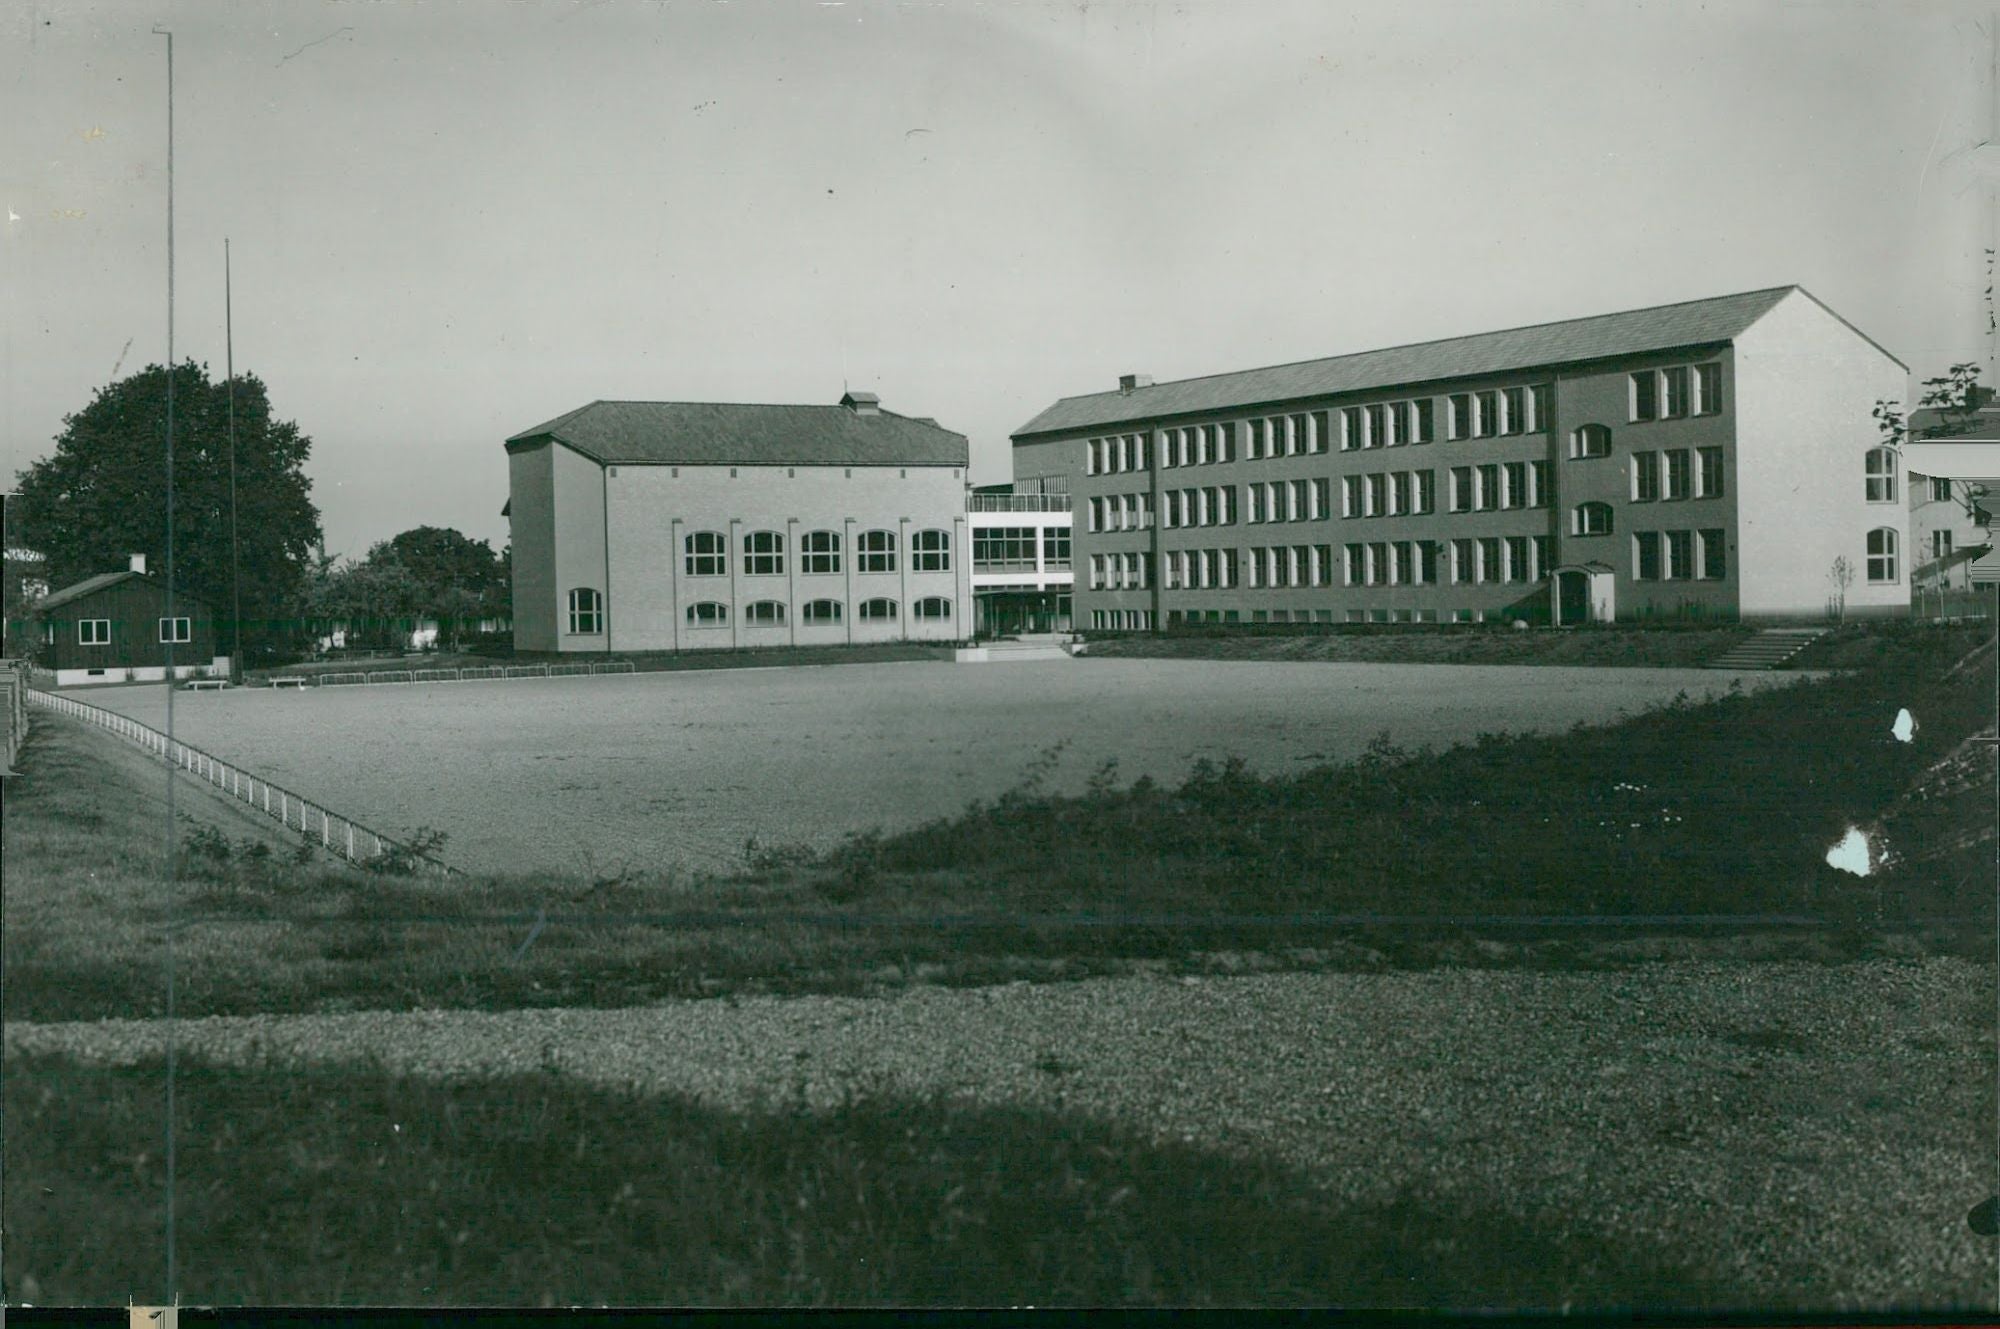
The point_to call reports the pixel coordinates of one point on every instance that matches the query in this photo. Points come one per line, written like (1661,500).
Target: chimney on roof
(139,564)
(1127,383)
(862,403)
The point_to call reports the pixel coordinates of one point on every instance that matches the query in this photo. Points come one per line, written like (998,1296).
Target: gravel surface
(598,774)
(1810,1132)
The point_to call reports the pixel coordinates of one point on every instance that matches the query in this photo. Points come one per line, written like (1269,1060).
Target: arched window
(707,554)
(819,551)
(879,608)
(934,606)
(586,612)
(1881,477)
(764,554)
(930,551)
(878,551)
(1882,554)
(1590,519)
(822,612)
(707,614)
(1590,441)
(764,613)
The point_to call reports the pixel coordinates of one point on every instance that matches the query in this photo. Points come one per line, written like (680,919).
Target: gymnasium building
(1707,460)
(672,526)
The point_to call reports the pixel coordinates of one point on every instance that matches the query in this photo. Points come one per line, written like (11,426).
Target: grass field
(596,775)
(1427,1112)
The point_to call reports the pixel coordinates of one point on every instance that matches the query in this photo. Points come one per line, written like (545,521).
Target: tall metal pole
(170,1294)
(235,574)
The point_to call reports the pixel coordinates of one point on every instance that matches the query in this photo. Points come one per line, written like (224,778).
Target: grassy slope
(1639,647)
(644,661)
(326,1187)
(1719,808)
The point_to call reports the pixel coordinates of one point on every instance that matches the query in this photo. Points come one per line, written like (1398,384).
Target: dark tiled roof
(723,433)
(91,585)
(1662,328)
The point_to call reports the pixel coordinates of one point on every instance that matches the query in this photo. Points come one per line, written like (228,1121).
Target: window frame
(696,559)
(872,609)
(1890,557)
(871,559)
(184,630)
(582,611)
(938,559)
(94,638)
(818,562)
(763,553)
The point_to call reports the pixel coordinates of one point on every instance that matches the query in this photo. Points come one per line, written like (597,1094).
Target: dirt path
(1806,1126)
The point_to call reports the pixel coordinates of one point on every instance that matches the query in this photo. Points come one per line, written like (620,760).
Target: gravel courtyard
(1817,1131)
(653,769)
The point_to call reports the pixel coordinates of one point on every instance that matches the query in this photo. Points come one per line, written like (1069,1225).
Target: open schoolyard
(650,770)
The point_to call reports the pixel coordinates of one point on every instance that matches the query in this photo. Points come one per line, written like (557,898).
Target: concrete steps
(1767,650)
(1009,652)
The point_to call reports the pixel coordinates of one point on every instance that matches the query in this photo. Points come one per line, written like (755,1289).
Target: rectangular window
(1055,547)
(1490,568)
(1646,556)
(1427,562)
(1322,498)
(1940,544)
(1709,476)
(1680,555)
(1516,492)
(1399,493)
(1425,498)
(1517,559)
(1461,415)
(1486,418)
(1350,429)
(1645,401)
(1253,504)
(1378,494)
(1350,496)
(1714,556)
(1538,408)
(93,632)
(1461,561)
(1320,429)
(930,551)
(1378,563)
(1540,548)
(1538,484)
(1297,435)
(1403,563)
(1093,457)
(877,551)
(1488,495)
(1514,411)
(1300,504)
(1096,520)
(1461,489)
(1322,568)
(1674,399)
(1356,560)
(1645,476)
(176,630)
(1940,486)
(1397,424)
(1225,442)
(1708,389)
(1679,473)
(1377,428)
(1423,427)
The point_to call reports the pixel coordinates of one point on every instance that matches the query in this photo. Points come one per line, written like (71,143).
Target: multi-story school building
(1710,459)
(667,526)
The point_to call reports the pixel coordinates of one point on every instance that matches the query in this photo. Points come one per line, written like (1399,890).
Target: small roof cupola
(1129,383)
(138,564)
(862,403)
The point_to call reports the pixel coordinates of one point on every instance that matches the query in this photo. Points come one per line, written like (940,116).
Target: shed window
(176,630)
(93,632)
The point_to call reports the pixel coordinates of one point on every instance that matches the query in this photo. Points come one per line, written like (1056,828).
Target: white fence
(470,673)
(339,835)
(13,711)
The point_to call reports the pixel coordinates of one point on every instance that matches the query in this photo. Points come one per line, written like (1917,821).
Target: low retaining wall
(342,836)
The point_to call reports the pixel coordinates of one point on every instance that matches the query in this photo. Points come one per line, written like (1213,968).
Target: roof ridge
(1439,341)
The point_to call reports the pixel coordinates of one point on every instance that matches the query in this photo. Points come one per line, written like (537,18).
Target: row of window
(1675,393)
(1012,548)
(1676,473)
(1121,572)
(586,612)
(97,631)
(1125,620)
(1494,413)
(707,552)
(1679,555)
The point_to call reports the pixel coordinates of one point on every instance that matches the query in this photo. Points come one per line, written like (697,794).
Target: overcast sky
(451,222)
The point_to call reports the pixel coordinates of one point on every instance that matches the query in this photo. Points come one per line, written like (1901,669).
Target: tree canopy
(101,496)
(429,572)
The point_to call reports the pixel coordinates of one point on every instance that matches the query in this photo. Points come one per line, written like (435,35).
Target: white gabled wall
(1806,385)
(578,506)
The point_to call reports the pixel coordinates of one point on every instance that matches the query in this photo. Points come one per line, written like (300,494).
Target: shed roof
(724,433)
(92,585)
(1660,328)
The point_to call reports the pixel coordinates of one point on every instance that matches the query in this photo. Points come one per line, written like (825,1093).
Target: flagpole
(235,573)
(171,1297)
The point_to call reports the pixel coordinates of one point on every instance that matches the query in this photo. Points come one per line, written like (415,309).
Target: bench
(196,684)
(290,681)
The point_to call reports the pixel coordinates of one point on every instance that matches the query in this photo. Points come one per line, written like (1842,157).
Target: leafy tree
(101,497)
(428,572)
